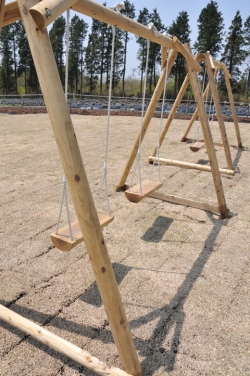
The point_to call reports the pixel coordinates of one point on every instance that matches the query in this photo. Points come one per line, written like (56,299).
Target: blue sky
(169,10)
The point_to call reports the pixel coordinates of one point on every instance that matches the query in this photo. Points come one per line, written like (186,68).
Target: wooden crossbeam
(99,12)
(186,202)
(195,166)
(2,4)
(59,344)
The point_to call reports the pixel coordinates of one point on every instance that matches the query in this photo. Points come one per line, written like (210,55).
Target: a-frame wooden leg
(79,188)
(231,101)
(146,121)
(193,76)
(2,4)
(210,74)
(193,118)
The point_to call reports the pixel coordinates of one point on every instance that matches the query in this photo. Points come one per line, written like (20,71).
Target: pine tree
(118,58)
(78,31)
(57,34)
(130,13)
(7,77)
(181,29)
(26,64)
(247,48)
(143,18)
(210,26)
(15,30)
(234,53)
(247,40)
(92,61)
(155,50)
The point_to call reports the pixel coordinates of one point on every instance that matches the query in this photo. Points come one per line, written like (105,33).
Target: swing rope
(211,99)
(138,163)
(64,195)
(197,132)
(105,166)
(160,127)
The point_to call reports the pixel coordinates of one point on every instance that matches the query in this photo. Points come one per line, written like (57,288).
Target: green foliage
(181,29)
(57,34)
(78,31)
(130,13)
(210,26)
(92,57)
(26,65)
(246,32)
(7,71)
(234,53)
(154,52)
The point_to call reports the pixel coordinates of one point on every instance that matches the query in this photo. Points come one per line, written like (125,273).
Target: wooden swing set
(212,67)
(36,16)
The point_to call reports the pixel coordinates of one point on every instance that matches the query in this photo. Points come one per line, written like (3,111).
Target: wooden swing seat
(196,146)
(63,241)
(148,186)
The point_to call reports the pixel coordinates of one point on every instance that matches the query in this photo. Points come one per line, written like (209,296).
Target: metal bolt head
(48,12)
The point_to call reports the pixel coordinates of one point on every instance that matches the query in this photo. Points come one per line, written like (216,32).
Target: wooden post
(79,187)
(210,74)
(194,166)
(227,76)
(194,117)
(2,3)
(59,344)
(163,56)
(208,140)
(146,121)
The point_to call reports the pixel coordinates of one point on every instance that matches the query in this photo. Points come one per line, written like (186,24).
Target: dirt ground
(183,273)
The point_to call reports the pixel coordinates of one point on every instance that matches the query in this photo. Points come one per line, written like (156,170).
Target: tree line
(90,53)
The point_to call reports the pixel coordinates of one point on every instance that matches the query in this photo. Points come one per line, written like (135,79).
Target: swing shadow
(156,232)
(237,158)
(235,161)
(170,316)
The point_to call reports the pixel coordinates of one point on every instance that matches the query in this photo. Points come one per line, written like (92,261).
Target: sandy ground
(183,273)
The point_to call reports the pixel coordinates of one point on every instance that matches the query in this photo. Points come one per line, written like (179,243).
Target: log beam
(186,202)
(59,344)
(82,199)
(195,166)
(210,73)
(2,4)
(193,76)
(232,106)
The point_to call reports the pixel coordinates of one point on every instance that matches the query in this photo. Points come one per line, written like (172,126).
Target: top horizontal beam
(47,11)
(2,3)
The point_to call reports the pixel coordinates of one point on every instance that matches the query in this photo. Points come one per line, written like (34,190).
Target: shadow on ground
(170,317)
